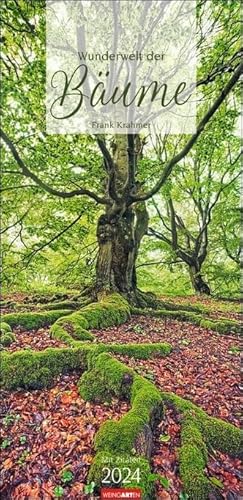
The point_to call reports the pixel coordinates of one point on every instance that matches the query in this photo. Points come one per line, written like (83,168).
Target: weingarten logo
(121,493)
(120,67)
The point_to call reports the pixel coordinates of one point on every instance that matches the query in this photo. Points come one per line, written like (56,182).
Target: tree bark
(121,229)
(116,256)
(199,285)
(119,239)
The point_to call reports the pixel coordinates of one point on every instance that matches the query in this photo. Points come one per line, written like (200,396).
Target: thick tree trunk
(117,253)
(119,239)
(121,229)
(197,281)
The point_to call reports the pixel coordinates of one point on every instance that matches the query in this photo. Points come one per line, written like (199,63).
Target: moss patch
(34,370)
(7,338)
(111,310)
(31,320)
(68,330)
(216,433)
(5,327)
(138,351)
(223,326)
(15,368)
(105,379)
(192,465)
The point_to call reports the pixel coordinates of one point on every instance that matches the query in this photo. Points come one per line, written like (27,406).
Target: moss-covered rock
(7,338)
(30,320)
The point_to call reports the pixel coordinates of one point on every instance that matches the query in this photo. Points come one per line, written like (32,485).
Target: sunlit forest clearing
(120,287)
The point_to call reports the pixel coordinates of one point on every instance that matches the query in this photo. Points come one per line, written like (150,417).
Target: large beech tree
(34,160)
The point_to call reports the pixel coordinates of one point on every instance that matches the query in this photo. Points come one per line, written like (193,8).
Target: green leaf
(6,443)
(58,491)
(185,342)
(89,488)
(164,481)
(153,477)
(22,439)
(66,476)
(164,438)
(216,482)
(183,496)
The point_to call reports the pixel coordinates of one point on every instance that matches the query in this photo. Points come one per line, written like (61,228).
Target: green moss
(112,310)
(123,461)
(7,338)
(221,435)
(66,304)
(146,399)
(5,327)
(212,305)
(138,351)
(164,313)
(16,367)
(192,464)
(191,434)
(33,320)
(197,308)
(199,432)
(31,370)
(216,433)
(220,326)
(105,379)
(69,329)
(121,437)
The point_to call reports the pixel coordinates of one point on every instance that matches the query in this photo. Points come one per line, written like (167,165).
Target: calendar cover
(120,313)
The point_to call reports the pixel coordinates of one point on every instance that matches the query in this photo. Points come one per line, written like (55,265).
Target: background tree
(186,206)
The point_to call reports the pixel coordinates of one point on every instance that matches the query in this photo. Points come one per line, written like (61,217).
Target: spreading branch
(29,174)
(177,158)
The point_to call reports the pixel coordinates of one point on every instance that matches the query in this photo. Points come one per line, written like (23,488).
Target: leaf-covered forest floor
(47,433)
